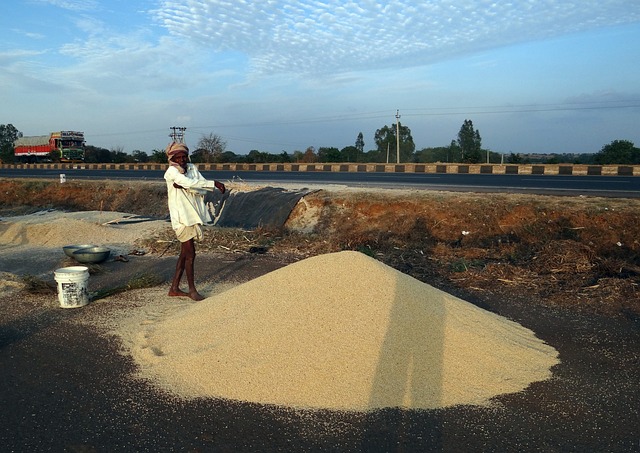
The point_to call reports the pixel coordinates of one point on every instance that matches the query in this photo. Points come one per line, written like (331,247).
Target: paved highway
(605,186)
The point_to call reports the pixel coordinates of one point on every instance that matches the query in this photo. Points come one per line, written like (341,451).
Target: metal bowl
(91,255)
(69,249)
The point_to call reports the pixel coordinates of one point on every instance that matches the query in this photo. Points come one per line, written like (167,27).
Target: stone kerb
(457,168)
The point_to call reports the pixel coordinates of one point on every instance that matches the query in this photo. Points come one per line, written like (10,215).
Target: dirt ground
(567,268)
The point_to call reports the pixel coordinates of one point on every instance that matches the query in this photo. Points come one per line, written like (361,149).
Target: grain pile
(341,331)
(58,228)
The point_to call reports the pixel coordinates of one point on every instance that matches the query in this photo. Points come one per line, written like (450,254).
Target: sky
(534,76)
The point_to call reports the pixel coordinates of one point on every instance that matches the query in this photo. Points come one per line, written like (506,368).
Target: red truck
(68,146)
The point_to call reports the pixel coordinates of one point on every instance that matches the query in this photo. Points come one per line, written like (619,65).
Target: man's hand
(177,186)
(220,186)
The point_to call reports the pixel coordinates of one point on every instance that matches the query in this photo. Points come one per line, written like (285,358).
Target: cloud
(17,69)
(73,5)
(28,34)
(314,36)
(127,64)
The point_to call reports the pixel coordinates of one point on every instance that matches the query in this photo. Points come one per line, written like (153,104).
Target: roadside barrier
(489,169)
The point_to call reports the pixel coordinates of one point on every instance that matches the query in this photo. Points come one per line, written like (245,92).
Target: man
(185,187)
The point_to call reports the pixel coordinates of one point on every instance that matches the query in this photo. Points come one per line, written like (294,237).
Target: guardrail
(490,169)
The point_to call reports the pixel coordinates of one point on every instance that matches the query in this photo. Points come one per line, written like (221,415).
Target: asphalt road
(604,186)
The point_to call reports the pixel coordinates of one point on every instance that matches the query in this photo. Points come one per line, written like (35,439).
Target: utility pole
(398,136)
(177,134)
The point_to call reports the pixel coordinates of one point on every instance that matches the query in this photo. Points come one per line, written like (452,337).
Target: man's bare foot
(178,293)
(195,295)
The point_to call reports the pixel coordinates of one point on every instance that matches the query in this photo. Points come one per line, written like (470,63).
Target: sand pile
(341,331)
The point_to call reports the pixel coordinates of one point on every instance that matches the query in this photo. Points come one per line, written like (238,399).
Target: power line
(430,112)
(443,111)
(531,110)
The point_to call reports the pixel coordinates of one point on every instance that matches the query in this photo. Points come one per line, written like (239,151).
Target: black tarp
(267,207)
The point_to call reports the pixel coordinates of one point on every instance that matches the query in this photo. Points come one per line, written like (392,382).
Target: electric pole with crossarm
(177,134)
(398,136)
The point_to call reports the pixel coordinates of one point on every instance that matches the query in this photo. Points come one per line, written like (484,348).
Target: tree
(385,138)
(360,143)
(211,147)
(373,155)
(229,156)
(350,154)
(618,152)
(439,154)
(310,156)
(118,156)
(198,156)
(297,156)
(8,135)
(514,158)
(284,157)
(326,154)
(93,155)
(455,152)
(470,143)
(158,156)
(257,157)
(140,156)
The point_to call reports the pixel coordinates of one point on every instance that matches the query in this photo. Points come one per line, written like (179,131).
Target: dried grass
(35,285)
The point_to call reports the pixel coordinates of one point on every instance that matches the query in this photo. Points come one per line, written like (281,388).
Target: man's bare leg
(185,263)
(189,263)
(175,290)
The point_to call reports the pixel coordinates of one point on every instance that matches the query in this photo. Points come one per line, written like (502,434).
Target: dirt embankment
(576,252)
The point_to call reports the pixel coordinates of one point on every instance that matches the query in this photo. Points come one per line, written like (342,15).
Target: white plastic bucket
(72,286)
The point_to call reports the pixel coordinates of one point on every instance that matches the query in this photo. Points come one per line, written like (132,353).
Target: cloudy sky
(283,75)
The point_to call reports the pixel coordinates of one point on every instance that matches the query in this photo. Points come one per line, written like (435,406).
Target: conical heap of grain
(342,331)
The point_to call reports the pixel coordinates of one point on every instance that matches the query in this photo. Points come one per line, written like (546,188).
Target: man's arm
(184,182)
